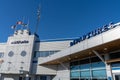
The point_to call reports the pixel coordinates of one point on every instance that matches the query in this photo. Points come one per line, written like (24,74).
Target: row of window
(44,53)
(36,54)
(89,73)
(95,70)
(88,69)
(96,65)
(11,53)
(114,55)
(85,61)
(115,66)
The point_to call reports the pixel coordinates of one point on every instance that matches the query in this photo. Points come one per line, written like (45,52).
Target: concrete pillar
(0,76)
(108,68)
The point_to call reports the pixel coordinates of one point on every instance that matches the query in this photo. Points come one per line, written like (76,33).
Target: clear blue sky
(59,18)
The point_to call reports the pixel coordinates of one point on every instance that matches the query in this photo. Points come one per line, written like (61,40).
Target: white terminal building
(94,56)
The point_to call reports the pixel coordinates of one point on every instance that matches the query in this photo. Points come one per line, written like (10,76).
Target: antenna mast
(38,19)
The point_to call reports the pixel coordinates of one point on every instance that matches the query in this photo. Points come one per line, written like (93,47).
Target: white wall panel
(48,46)
(62,73)
(2,47)
(113,34)
(44,69)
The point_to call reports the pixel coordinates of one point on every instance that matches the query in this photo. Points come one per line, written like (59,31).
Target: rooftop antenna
(28,25)
(38,19)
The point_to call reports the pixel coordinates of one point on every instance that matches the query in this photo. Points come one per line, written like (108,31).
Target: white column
(0,76)
(108,68)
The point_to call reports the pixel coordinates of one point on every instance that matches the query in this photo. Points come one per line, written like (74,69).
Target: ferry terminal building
(94,56)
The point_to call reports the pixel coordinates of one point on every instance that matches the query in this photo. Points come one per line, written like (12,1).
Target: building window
(44,53)
(99,73)
(11,53)
(75,74)
(95,59)
(88,69)
(1,54)
(115,55)
(23,53)
(115,66)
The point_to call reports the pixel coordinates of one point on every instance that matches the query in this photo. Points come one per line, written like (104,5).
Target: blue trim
(62,39)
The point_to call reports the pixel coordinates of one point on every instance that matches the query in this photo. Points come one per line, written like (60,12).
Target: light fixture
(76,56)
(105,49)
(69,58)
(90,53)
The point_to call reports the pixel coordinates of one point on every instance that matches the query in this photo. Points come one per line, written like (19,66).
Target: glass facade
(115,66)
(44,53)
(115,55)
(88,69)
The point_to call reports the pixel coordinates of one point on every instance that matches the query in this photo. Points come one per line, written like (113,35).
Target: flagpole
(28,25)
(14,28)
(38,19)
(22,23)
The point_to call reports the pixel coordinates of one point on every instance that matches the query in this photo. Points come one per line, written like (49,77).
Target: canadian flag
(19,22)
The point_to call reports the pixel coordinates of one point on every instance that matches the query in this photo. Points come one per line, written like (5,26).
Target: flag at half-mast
(22,24)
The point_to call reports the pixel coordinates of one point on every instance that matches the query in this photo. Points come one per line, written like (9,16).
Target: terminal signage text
(20,42)
(94,33)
